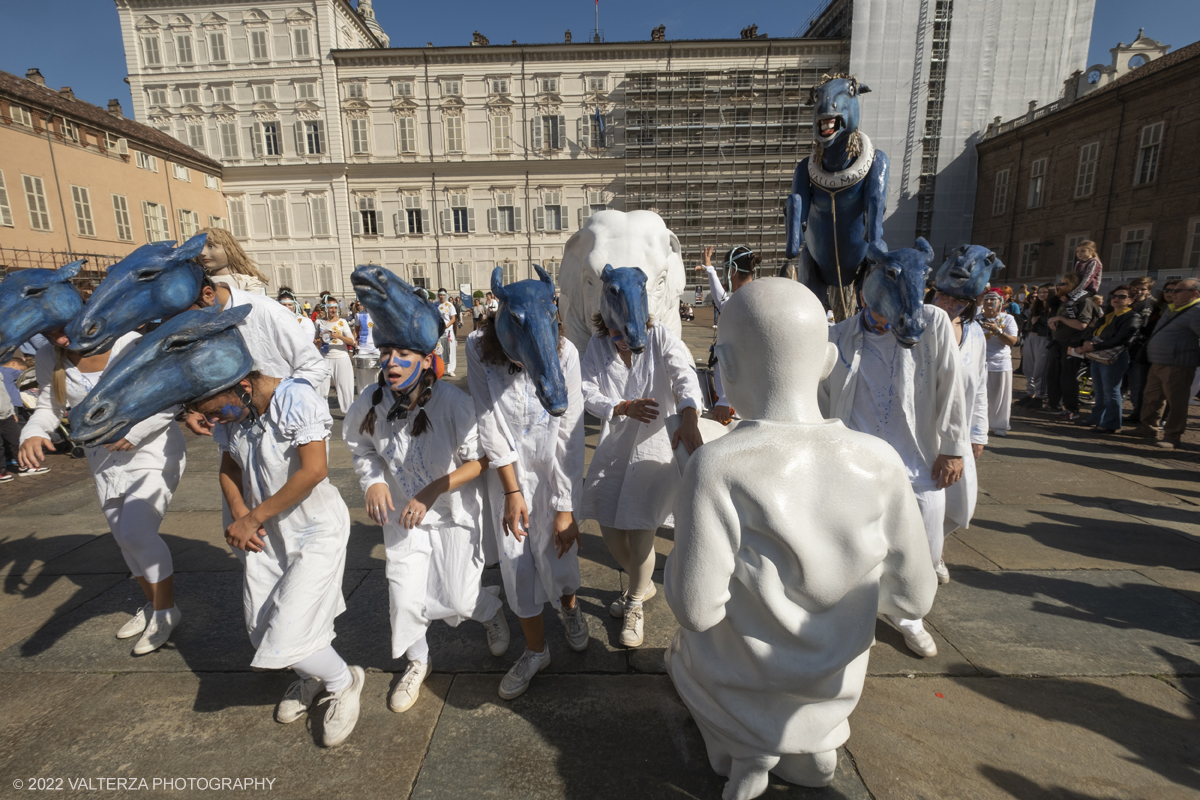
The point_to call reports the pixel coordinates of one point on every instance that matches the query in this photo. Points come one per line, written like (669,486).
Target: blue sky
(77,43)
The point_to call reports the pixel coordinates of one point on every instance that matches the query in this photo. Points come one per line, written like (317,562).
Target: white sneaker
(943,574)
(342,715)
(497,633)
(409,688)
(577,628)
(631,634)
(157,631)
(297,700)
(137,623)
(920,642)
(516,681)
(618,607)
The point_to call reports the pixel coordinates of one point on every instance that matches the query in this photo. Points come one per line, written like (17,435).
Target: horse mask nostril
(92,329)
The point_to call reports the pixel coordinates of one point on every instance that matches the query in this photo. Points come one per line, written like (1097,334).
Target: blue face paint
(228,413)
(397,361)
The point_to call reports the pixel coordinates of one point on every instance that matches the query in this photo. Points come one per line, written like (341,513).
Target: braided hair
(400,409)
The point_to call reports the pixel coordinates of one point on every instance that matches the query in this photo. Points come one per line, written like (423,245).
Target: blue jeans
(1137,384)
(1106,392)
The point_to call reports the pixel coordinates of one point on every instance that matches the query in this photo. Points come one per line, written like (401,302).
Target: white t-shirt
(337,348)
(493,304)
(999,355)
(882,404)
(366,334)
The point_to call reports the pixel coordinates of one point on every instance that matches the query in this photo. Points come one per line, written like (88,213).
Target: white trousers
(999,391)
(450,352)
(434,574)
(932,503)
(341,376)
(134,524)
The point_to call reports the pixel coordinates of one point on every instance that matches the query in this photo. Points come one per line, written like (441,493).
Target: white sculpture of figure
(622,239)
(792,532)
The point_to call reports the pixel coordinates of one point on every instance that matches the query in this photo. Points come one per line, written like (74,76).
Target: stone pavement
(1069,662)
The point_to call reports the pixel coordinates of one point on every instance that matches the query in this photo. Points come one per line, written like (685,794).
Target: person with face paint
(740,263)
(290,529)
(335,338)
(415,446)
(449,343)
(630,485)
(135,478)
(287,299)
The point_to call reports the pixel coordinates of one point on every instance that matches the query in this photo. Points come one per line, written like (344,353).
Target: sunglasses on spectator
(1120,297)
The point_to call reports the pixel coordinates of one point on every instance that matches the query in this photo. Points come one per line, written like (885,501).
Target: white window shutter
(471,219)
(299,129)
(491,219)
(1117,250)
(565,217)
(1144,261)
(585,132)
(425,223)
(536,132)
(562,132)
(256,139)
(355,219)
(539,218)
(516,218)
(447,221)
(584,213)
(608,130)
(396,224)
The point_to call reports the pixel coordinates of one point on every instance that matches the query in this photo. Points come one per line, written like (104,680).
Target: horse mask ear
(68,271)
(924,248)
(606,273)
(863,88)
(545,276)
(191,248)
(498,283)
(994,262)
(875,254)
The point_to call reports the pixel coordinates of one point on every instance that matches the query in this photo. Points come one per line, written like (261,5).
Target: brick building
(1117,165)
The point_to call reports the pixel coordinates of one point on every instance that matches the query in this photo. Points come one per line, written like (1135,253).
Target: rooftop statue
(624,239)
(775,582)
(34,301)
(838,196)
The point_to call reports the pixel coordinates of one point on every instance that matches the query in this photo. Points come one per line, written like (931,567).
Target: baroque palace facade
(442,163)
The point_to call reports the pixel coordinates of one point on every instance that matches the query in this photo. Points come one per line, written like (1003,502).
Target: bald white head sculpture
(792,533)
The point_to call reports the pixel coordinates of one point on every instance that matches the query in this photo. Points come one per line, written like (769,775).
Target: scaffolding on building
(13,259)
(713,152)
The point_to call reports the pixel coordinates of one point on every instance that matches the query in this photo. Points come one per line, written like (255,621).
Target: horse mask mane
(624,306)
(527,326)
(156,281)
(193,355)
(34,301)
(894,288)
(401,312)
(965,274)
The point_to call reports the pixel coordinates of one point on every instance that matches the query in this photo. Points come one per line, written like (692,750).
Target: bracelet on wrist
(514,491)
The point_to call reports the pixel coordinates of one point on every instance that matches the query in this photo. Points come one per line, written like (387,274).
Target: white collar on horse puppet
(849,176)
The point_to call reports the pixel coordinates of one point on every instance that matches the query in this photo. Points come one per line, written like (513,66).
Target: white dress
(547,454)
(337,360)
(293,589)
(961,497)
(435,570)
(150,471)
(632,479)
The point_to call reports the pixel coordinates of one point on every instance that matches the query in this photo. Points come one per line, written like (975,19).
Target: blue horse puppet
(403,315)
(894,288)
(624,305)
(839,193)
(965,274)
(191,356)
(34,301)
(527,327)
(156,281)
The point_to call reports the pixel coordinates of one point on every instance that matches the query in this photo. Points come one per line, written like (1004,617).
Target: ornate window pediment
(213,21)
(500,103)
(159,117)
(255,17)
(224,110)
(357,113)
(195,118)
(308,111)
(356,104)
(549,98)
(264,107)
(299,17)
(405,105)
(147,24)
(453,103)
(179,21)
(307,105)
(192,110)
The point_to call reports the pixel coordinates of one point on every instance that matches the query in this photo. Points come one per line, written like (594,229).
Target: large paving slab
(1042,481)
(211,637)
(38,598)
(31,703)
(1079,622)
(1186,582)
(29,541)
(1064,537)
(1183,518)
(580,736)
(984,738)
(222,726)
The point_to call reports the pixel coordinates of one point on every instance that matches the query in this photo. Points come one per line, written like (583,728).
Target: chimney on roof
(35,75)
(659,34)
(568,36)
(67,93)
(114,108)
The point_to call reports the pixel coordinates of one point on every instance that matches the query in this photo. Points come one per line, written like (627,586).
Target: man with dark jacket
(1070,327)
(1141,290)
(1173,349)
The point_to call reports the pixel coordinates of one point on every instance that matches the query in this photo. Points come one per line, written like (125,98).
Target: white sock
(418,650)
(328,666)
(166,615)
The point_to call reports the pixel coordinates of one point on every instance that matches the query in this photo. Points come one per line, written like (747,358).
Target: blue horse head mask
(34,301)
(191,356)
(894,288)
(403,315)
(624,306)
(965,274)
(835,110)
(156,281)
(527,327)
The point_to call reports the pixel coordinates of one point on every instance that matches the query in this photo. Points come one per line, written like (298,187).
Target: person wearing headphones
(740,264)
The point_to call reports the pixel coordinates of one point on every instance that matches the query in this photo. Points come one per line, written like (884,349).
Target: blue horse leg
(808,272)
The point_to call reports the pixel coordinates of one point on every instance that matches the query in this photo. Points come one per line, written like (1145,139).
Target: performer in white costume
(415,445)
(972,348)
(364,332)
(287,299)
(449,316)
(792,533)
(630,485)
(291,528)
(535,483)
(1000,330)
(740,263)
(335,337)
(135,478)
(912,399)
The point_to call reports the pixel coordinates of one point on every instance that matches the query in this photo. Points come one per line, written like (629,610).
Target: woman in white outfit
(534,487)
(415,446)
(293,527)
(630,485)
(972,374)
(287,299)
(335,337)
(1000,330)
(740,263)
(135,478)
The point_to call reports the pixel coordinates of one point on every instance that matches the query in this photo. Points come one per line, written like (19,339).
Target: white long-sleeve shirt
(716,290)
(279,346)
